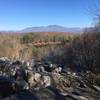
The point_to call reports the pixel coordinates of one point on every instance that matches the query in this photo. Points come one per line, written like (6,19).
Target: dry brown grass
(11,46)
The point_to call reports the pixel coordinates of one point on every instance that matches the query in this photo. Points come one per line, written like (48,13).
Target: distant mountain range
(52,28)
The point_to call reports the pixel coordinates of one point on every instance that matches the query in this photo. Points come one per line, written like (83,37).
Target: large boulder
(33,78)
(46,80)
(38,79)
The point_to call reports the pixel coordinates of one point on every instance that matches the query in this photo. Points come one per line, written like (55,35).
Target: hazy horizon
(45,26)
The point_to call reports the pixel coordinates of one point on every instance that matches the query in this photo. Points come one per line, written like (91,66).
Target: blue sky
(19,14)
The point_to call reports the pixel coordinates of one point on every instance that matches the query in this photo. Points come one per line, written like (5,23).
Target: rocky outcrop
(23,80)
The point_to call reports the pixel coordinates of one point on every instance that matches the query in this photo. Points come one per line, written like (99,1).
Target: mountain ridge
(52,28)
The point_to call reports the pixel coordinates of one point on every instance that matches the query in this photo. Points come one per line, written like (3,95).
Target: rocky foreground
(36,80)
